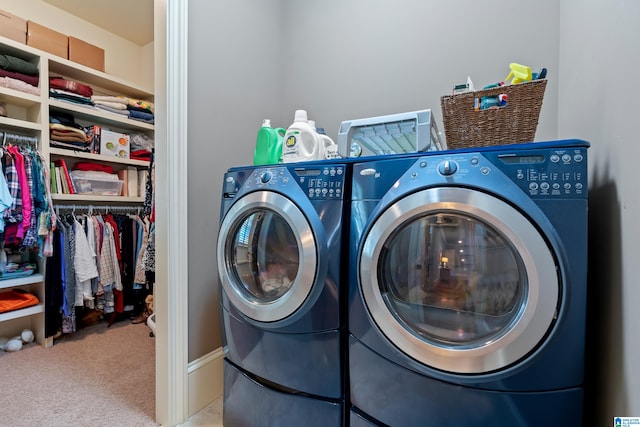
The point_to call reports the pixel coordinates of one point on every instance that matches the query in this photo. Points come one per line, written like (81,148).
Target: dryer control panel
(547,173)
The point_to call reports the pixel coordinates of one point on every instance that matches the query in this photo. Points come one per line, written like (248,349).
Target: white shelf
(61,152)
(103,117)
(96,79)
(23,312)
(95,198)
(35,280)
(22,99)
(16,125)
(21,281)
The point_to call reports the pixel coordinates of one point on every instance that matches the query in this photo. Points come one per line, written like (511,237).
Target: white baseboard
(205,377)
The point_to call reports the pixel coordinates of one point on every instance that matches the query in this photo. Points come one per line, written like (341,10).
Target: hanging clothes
(29,220)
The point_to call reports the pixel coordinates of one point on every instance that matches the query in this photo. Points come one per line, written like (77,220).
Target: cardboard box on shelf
(13,27)
(114,144)
(86,54)
(46,39)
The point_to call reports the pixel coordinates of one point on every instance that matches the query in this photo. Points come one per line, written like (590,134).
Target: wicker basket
(512,124)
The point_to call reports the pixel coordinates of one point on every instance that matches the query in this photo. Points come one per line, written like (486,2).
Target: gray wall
(599,102)
(235,80)
(362,58)
(344,59)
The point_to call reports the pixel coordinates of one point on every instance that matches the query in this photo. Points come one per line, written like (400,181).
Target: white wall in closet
(123,58)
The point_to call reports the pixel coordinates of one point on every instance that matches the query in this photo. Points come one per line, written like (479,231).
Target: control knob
(447,168)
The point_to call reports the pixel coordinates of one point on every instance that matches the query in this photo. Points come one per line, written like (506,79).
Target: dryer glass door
(266,256)
(459,280)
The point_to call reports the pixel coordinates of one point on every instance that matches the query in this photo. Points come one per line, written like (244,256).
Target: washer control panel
(325,182)
(318,182)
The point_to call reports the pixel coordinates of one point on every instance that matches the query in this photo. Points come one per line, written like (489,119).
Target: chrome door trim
(291,301)
(531,324)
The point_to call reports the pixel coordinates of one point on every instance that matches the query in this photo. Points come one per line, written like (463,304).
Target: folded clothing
(91,166)
(71,86)
(32,80)
(16,299)
(70,146)
(140,155)
(20,85)
(139,104)
(12,63)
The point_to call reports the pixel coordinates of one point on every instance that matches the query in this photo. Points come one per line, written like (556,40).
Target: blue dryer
(283,303)
(468,284)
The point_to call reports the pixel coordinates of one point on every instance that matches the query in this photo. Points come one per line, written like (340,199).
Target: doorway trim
(171,205)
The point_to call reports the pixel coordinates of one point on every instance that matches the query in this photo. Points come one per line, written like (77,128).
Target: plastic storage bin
(103,187)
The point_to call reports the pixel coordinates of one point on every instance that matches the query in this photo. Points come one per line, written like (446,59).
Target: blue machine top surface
(565,143)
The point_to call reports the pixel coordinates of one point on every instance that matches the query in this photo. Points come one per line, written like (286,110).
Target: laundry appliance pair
(439,288)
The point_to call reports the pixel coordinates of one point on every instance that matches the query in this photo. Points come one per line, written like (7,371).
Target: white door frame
(170,292)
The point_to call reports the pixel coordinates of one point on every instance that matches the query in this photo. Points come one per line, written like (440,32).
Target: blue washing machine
(468,285)
(283,303)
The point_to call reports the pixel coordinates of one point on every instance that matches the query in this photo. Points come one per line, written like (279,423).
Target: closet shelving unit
(28,115)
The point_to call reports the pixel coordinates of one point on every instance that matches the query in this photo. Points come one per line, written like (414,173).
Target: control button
(520,175)
(485,171)
(474,161)
(414,174)
(556,186)
(566,158)
(447,168)
(578,157)
(578,186)
(285,180)
(533,186)
(554,158)
(423,164)
(544,186)
(339,171)
(325,171)
(230,179)
(567,186)
(266,177)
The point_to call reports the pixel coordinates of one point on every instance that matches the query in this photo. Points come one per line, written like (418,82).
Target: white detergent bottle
(328,148)
(301,142)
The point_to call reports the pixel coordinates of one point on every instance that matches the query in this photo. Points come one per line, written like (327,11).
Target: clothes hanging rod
(99,208)
(12,138)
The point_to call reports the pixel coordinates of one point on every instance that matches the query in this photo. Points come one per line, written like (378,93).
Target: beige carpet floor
(96,377)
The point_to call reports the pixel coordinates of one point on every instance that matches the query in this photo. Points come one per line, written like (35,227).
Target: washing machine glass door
(459,280)
(266,256)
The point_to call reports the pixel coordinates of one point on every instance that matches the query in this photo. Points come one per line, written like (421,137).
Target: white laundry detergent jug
(329,148)
(301,141)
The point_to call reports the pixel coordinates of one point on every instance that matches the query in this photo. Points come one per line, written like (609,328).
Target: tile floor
(209,416)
